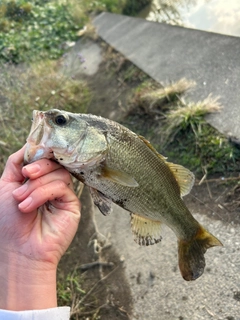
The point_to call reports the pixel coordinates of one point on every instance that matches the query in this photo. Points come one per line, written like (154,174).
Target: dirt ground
(109,295)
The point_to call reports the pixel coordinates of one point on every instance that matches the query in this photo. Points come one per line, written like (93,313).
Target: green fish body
(121,167)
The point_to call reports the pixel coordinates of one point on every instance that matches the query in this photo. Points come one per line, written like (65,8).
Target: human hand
(38,220)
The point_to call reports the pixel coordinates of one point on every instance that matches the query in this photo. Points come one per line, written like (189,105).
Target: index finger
(39,168)
(13,168)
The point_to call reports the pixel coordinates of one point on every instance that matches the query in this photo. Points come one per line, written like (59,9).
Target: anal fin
(103,203)
(146,232)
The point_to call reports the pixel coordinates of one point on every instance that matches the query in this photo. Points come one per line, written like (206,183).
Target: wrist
(26,284)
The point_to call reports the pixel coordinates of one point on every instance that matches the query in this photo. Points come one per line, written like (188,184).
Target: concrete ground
(168,53)
(159,292)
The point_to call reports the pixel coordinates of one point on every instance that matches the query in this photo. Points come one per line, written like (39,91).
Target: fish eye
(60,120)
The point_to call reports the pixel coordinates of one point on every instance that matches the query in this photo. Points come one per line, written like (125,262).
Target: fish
(122,167)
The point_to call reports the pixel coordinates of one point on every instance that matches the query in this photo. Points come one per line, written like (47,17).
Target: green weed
(35,30)
(70,292)
(32,30)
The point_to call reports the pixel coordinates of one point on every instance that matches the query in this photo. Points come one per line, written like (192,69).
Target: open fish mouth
(36,142)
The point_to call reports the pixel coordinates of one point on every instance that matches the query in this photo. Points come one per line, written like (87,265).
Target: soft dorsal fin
(185,178)
(119,177)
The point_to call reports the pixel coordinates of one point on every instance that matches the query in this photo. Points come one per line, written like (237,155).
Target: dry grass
(153,98)
(169,91)
(186,114)
(42,86)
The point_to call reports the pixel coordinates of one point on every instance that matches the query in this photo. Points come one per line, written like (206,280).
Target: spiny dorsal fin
(145,231)
(185,178)
(148,144)
(118,177)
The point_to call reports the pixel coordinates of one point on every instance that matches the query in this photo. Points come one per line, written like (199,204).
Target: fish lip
(36,142)
(34,153)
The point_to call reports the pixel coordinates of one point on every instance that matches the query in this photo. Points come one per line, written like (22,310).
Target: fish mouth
(36,142)
(34,153)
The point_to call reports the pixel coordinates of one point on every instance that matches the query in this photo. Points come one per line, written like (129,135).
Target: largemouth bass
(122,167)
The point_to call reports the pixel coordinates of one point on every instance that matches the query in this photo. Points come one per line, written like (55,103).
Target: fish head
(65,137)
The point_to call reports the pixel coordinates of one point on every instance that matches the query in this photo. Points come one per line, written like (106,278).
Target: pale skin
(38,220)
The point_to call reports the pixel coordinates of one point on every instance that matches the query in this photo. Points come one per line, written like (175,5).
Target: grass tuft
(152,98)
(188,114)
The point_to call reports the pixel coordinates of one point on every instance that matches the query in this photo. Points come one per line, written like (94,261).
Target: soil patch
(107,293)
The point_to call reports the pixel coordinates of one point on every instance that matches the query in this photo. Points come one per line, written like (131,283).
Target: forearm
(26,285)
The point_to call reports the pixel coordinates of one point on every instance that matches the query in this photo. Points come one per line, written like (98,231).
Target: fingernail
(25,203)
(21,190)
(32,168)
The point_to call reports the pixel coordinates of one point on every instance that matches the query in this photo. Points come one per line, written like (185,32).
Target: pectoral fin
(103,203)
(146,232)
(118,177)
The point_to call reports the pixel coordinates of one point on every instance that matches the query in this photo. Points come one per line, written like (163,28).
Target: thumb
(13,168)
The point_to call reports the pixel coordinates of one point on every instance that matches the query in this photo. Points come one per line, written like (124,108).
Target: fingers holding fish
(42,182)
(40,168)
(56,191)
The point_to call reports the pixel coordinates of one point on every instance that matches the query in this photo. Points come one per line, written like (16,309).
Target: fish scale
(156,176)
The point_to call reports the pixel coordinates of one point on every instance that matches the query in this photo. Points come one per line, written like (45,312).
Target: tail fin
(191,254)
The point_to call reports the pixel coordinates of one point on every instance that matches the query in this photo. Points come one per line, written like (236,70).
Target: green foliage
(68,288)
(36,29)
(32,30)
(127,7)
(16,11)
(114,6)
(204,150)
(132,7)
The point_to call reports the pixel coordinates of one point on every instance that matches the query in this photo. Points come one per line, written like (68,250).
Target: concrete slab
(168,53)
(83,58)
(158,290)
